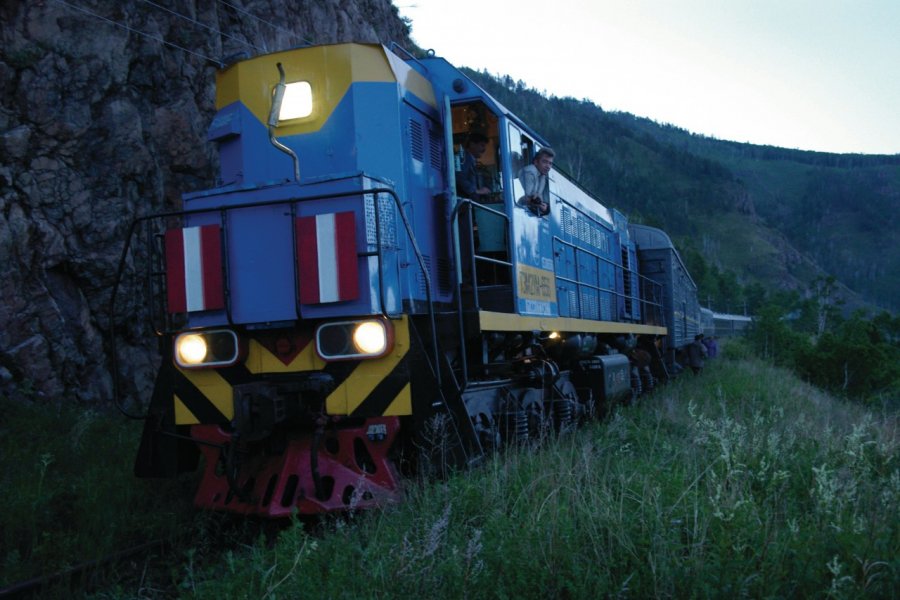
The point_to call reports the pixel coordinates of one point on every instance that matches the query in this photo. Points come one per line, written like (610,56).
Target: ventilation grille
(443,275)
(589,306)
(420,277)
(568,226)
(584,231)
(437,144)
(416,140)
(440,277)
(626,280)
(386,221)
(605,308)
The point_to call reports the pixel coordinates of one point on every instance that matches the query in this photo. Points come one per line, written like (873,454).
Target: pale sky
(813,75)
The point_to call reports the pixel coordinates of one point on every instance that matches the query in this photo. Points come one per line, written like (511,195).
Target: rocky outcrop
(101,121)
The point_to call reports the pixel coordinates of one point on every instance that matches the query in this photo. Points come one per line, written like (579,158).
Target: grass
(744,481)
(68,492)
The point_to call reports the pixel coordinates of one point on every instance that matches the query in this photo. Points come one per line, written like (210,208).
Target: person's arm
(529,182)
(529,179)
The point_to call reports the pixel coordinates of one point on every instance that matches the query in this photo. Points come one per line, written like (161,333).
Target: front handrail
(420,258)
(224,210)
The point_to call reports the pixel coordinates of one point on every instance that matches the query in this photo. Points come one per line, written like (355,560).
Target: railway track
(146,568)
(79,576)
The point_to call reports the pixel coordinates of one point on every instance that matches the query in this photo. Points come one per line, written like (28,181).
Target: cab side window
(476,148)
(521,152)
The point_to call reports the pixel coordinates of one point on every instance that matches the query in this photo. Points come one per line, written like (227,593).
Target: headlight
(190,349)
(297,101)
(218,348)
(371,338)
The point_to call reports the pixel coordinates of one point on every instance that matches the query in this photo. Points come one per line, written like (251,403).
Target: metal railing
(475,258)
(473,267)
(643,283)
(155,268)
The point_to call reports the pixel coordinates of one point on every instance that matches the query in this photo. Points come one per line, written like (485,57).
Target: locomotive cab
(490,223)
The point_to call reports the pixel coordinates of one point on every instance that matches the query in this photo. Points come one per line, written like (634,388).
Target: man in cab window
(534,178)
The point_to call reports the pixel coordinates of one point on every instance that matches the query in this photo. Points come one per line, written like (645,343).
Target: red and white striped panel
(194,269)
(326,254)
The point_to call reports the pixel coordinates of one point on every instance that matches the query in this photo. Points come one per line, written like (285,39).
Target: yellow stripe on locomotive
(329,70)
(373,387)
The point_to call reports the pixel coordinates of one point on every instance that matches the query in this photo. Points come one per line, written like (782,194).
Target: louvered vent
(420,277)
(568,225)
(605,308)
(443,275)
(573,302)
(417,140)
(437,143)
(589,306)
(584,230)
(626,279)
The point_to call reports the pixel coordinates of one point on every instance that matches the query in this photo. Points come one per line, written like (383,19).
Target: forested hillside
(841,209)
(754,215)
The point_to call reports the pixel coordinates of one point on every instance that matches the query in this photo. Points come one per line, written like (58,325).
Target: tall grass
(743,481)
(68,493)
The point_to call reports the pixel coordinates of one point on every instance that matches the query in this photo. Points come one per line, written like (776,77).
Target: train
(729,325)
(334,314)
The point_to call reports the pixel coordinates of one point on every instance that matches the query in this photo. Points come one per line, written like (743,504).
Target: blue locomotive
(334,312)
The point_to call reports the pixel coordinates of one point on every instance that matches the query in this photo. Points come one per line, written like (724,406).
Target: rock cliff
(104,107)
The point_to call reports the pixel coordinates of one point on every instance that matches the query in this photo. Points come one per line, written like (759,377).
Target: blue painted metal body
(378,136)
(258,230)
(579,245)
(661,262)
(381,136)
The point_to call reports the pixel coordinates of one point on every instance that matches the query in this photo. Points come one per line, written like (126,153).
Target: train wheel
(636,387)
(565,407)
(488,432)
(539,423)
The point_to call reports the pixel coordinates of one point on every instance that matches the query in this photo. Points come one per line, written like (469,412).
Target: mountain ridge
(739,206)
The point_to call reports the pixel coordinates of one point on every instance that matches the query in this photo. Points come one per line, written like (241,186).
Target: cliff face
(101,122)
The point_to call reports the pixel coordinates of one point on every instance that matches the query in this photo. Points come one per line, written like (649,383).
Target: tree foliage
(857,357)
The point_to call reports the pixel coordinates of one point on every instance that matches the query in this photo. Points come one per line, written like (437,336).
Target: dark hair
(476,137)
(545,151)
